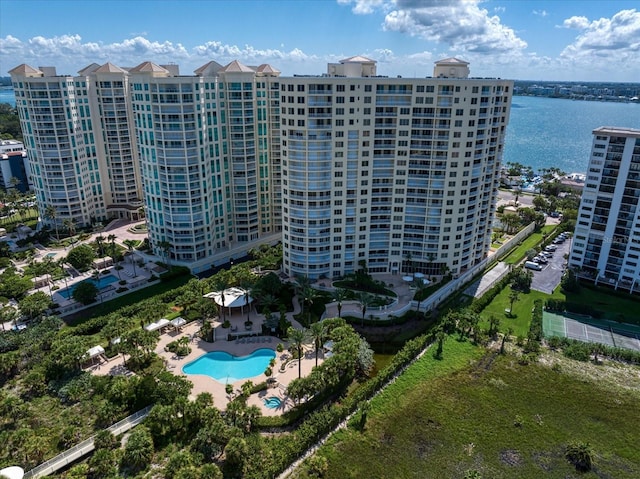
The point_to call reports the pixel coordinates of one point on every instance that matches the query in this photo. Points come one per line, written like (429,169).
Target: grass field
(519,253)
(521,315)
(444,418)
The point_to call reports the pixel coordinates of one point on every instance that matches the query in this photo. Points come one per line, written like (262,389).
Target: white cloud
(575,22)
(540,13)
(616,38)
(461,24)
(69,53)
(363,7)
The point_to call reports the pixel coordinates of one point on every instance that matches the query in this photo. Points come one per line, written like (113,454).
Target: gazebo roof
(161,323)
(179,321)
(95,351)
(233,298)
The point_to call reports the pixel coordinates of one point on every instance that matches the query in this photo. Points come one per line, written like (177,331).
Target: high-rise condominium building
(393,174)
(201,150)
(209,148)
(81,142)
(606,245)
(346,168)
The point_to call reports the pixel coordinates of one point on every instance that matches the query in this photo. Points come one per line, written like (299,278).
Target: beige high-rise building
(398,175)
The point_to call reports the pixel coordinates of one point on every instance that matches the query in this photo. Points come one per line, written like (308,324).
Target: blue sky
(579,40)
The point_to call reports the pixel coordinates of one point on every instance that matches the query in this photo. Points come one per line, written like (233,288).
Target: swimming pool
(273,402)
(227,368)
(50,255)
(100,283)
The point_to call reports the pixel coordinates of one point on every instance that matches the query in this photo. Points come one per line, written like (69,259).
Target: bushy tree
(139,449)
(81,257)
(85,292)
(34,305)
(570,283)
(521,279)
(365,360)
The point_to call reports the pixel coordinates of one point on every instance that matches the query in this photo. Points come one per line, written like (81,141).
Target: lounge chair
(241,340)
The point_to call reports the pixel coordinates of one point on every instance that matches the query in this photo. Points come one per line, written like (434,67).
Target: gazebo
(161,324)
(94,352)
(178,322)
(230,298)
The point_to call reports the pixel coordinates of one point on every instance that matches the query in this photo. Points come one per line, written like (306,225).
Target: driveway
(549,278)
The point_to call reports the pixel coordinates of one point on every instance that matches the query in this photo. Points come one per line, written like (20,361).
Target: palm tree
(61,264)
(246,285)
(419,285)
(297,338)
(165,246)
(70,225)
(513,297)
(50,213)
(318,333)
(100,244)
(365,300)
(409,262)
(220,284)
(48,267)
(130,244)
(339,295)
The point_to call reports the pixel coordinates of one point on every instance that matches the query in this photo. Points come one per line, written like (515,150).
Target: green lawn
(519,253)
(521,315)
(443,418)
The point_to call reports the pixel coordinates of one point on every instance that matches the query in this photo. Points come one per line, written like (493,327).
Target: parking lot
(549,278)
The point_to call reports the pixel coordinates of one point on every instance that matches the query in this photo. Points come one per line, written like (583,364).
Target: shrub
(535,328)
(580,455)
(174,272)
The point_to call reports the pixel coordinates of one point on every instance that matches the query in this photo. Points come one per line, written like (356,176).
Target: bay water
(543,132)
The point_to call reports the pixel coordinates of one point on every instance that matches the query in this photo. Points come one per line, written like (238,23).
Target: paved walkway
(489,278)
(207,384)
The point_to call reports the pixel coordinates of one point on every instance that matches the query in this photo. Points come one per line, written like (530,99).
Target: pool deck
(217,389)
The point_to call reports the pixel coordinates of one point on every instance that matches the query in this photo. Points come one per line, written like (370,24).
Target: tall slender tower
(79,138)
(606,244)
(210,166)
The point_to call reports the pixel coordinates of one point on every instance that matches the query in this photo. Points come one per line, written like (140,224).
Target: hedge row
(286,449)
(535,328)
(578,350)
(478,304)
(577,308)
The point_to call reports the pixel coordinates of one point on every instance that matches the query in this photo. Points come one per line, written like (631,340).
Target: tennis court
(591,330)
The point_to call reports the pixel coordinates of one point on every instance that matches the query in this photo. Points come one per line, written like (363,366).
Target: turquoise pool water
(273,402)
(51,255)
(227,368)
(100,283)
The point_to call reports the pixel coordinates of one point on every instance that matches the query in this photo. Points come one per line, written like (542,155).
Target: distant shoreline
(582,98)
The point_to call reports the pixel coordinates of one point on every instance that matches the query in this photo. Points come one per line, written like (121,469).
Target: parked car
(551,247)
(541,259)
(532,265)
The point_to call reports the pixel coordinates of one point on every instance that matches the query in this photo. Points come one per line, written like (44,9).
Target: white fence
(85,447)
(451,287)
